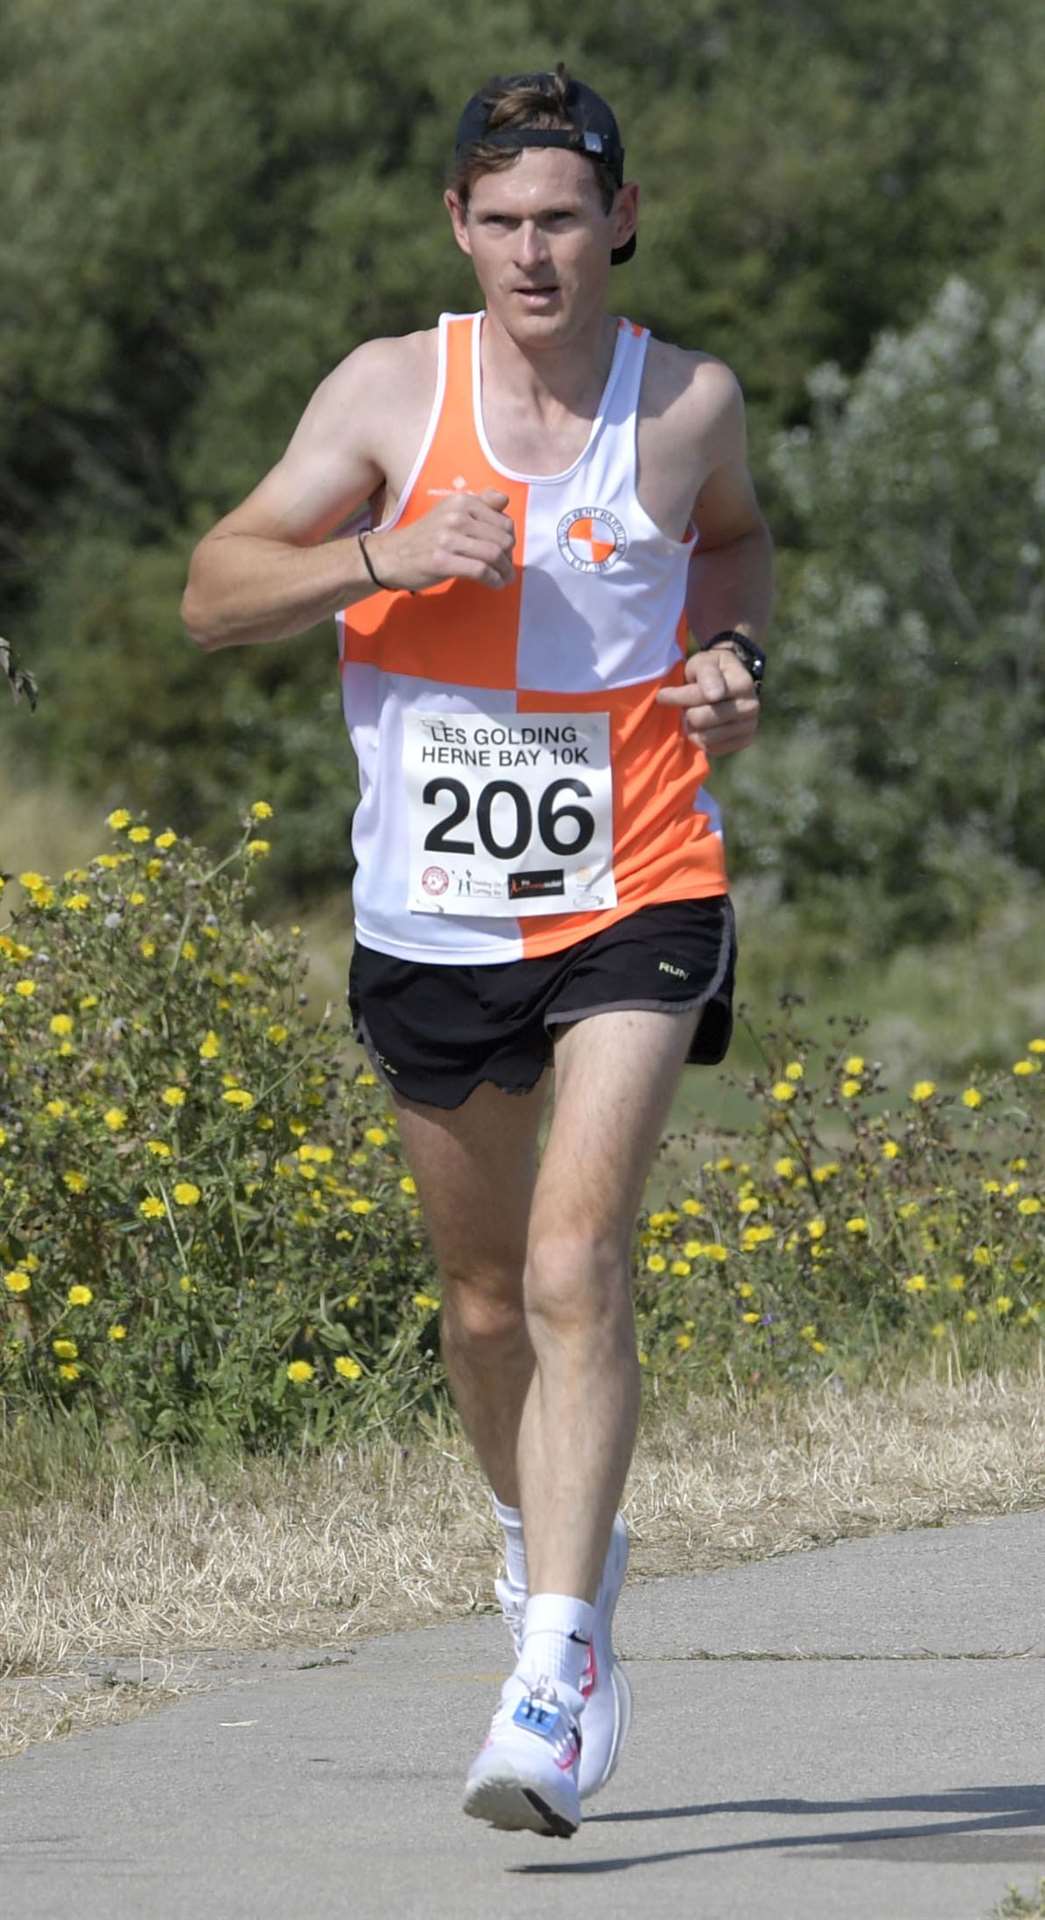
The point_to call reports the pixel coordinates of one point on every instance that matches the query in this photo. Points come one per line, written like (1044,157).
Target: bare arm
(269,569)
(730,578)
(276,565)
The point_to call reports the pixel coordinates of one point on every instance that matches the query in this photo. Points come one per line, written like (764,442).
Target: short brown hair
(539,101)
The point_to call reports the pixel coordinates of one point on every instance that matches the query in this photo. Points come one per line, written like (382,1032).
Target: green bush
(207,1234)
(204,1227)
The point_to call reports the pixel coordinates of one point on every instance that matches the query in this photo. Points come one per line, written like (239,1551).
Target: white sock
(514,1545)
(557,1638)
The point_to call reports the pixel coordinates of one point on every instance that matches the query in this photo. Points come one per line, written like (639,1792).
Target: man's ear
(458,220)
(625,213)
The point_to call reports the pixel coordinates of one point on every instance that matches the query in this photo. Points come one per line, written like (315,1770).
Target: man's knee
(481,1306)
(576,1280)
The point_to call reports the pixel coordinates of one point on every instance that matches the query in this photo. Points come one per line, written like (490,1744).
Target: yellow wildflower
(57,1109)
(276,1033)
(115,1119)
(152,1208)
(89,1000)
(1037,1046)
(300,1371)
(783,1091)
(147,949)
(1002,1303)
(210,1045)
(117,1331)
(173,1096)
(75,1181)
(165,840)
(139,835)
(259,848)
(79,1296)
(917,1283)
(714,1251)
(680,1268)
(850,1089)
(31,881)
(826,1171)
(692,1207)
(890,1150)
(118,820)
(972,1097)
(69,1370)
(426,1300)
(64,1349)
(186,1194)
(750,1204)
(77,902)
(923,1090)
(750,1319)
(25,989)
(982,1256)
(909,1209)
(1028,1206)
(160,1148)
(857,1224)
(348,1368)
(361,1206)
(855,1063)
(784,1168)
(656,1263)
(991,1186)
(794,1070)
(16,1281)
(238,1097)
(377,1136)
(816,1229)
(683,1341)
(1023,1067)
(261,810)
(61,1024)
(408,1184)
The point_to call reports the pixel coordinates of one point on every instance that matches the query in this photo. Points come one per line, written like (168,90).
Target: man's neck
(562,377)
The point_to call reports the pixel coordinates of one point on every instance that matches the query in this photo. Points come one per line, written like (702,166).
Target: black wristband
(369,565)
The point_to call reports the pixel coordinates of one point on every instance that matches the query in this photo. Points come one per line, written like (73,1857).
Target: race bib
(509,815)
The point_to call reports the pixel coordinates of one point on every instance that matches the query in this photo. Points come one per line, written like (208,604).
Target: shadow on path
(975,1839)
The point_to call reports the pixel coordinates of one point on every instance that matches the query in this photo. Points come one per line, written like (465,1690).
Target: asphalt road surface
(856,1733)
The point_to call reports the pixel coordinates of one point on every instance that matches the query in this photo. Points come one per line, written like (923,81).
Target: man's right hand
(467,536)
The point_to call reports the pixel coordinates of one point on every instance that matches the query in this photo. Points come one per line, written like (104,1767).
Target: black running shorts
(434,1032)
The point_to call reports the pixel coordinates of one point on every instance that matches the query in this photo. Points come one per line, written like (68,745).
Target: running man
(552,503)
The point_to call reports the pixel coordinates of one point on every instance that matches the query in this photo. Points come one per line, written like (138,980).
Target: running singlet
(520,787)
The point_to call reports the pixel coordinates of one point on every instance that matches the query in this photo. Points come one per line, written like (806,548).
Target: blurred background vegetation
(202,209)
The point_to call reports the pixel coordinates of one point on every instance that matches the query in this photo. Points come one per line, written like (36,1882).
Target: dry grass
(161,1562)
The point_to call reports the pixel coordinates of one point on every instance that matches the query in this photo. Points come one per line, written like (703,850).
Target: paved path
(852,1734)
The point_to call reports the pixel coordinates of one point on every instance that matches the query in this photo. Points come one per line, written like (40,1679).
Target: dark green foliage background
(202,209)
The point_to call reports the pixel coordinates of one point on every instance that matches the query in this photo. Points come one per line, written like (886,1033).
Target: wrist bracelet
(369,565)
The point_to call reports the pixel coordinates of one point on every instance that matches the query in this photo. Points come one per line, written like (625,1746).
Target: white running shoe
(604,1685)
(525,1775)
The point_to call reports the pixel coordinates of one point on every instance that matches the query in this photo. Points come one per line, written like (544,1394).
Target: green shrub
(205,1229)
(207,1233)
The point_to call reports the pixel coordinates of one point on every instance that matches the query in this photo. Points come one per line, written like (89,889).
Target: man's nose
(531,244)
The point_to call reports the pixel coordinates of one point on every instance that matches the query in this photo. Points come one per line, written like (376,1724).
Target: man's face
(540,241)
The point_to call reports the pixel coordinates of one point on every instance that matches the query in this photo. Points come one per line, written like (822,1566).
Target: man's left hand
(719,702)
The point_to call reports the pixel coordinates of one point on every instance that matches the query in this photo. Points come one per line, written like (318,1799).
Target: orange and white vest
(520,786)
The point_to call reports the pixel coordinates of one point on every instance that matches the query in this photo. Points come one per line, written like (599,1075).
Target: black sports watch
(748,652)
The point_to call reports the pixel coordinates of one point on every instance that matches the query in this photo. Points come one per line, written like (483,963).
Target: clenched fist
(719,704)
(465,537)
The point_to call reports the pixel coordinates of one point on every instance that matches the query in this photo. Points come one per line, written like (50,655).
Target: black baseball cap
(594,132)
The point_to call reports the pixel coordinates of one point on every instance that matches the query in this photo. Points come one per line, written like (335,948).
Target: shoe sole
(504,1802)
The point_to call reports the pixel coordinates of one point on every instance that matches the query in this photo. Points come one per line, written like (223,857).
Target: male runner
(555,499)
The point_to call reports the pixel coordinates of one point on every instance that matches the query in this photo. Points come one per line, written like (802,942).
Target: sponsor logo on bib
(591,539)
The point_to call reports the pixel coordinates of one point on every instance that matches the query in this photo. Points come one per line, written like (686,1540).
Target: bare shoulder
(395,370)
(697,391)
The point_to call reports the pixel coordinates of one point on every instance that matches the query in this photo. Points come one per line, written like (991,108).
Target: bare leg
(615,1074)
(475,1168)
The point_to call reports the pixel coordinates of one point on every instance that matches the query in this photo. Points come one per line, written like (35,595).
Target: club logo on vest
(591,539)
